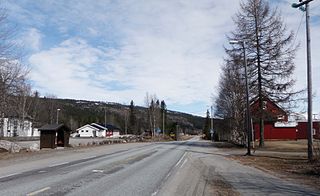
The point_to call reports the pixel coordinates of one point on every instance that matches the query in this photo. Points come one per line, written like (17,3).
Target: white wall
(87,131)
(116,134)
(14,125)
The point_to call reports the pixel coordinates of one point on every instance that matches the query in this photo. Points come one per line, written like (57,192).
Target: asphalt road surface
(191,167)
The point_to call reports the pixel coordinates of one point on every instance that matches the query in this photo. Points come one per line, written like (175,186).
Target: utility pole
(163,122)
(309,75)
(211,130)
(58,115)
(248,118)
(105,117)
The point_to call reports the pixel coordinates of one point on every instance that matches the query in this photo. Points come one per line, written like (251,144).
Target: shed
(54,135)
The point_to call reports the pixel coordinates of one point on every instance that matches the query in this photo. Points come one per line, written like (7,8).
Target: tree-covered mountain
(75,113)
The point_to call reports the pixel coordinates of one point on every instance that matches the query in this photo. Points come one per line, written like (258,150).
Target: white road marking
(54,165)
(167,176)
(184,162)
(38,191)
(42,171)
(97,171)
(13,174)
(180,159)
(153,194)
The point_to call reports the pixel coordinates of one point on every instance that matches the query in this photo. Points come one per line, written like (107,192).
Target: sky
(117,51)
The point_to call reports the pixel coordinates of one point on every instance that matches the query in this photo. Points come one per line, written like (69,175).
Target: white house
(13,127)
(102,132)
(92,130)
(96,130)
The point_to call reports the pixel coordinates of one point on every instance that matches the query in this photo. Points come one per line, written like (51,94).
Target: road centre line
(54,165)
(184,162)
(180,159)
(13,174)
(38,191)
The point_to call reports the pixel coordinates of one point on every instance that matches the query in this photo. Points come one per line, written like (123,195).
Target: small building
(15,127)
(302,128)
(276,124)
(54,135)
(92,130)
(113,131)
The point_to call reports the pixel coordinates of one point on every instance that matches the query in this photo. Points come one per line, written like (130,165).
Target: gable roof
(87,125)
(265,98)
(100,127)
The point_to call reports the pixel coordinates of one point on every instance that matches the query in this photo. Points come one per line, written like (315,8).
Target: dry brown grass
(279,157)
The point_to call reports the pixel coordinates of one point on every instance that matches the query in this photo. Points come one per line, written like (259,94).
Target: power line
(296,35)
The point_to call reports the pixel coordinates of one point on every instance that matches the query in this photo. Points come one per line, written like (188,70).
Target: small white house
(96,130)
(14,127)
(92,130)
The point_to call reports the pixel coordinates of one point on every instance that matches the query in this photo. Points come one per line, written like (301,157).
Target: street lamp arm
(296,5)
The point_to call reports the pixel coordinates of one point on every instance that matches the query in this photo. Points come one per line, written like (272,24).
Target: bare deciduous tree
(270,51)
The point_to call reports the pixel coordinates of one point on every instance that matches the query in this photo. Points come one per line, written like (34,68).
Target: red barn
(302,129)
(273,114)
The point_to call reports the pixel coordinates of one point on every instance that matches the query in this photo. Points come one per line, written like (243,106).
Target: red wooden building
(302,129)
(275,121)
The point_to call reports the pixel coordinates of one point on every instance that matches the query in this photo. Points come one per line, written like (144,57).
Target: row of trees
(270,52)
(157,113)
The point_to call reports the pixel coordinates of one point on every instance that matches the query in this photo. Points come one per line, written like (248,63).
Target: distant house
(15,127)
(113,131)
(97,130)
(276,124)
(88,131)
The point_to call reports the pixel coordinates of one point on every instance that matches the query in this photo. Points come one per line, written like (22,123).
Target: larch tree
(270,50)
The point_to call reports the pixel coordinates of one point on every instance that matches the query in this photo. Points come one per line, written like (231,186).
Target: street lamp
(309,74)
(58,115)
(211,130)
(248,124)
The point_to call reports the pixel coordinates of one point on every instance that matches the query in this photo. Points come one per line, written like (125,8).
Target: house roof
(87,125)
(54,127)
(100,127)
(111,127)
(265,98)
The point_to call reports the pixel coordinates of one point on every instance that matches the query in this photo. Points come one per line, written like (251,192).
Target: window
(264,105)
(82,131)
(280,117)
(87,131)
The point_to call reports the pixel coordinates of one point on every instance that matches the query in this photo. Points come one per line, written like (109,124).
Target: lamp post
(248,124)
(58,115)
(309,74)
(211,130)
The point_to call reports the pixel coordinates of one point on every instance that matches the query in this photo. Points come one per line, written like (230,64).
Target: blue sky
(117,51)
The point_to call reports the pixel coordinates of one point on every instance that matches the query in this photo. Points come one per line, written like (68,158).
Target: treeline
(131,119)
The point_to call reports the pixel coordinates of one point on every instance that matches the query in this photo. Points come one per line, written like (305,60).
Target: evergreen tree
(132,119)
(163,107)
(206,129)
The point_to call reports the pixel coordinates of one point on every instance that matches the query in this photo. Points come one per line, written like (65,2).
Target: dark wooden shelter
(54,135)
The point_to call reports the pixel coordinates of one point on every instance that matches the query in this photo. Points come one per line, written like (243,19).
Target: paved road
(177,168)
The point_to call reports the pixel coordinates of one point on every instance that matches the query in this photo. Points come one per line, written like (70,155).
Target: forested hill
(76,113)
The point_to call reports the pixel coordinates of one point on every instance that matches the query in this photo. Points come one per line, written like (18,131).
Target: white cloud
(171,48)
(32,38)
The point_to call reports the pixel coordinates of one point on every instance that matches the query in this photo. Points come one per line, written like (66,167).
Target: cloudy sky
(117,51)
